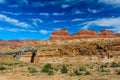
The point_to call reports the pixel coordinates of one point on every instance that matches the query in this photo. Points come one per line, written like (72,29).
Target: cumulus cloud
(109,23)
(42,31)
(14,21)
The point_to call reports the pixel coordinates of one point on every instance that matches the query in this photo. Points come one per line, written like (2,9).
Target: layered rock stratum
(64,35)
(84,46)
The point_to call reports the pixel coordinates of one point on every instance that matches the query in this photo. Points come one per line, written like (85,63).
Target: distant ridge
(64,35)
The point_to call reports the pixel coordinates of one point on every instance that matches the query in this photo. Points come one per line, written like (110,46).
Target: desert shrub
(114,64)
(64,69)
(87,73)
(82,68)
(50,72)
(103,70)
(32,69)
(118,72)
(76,72)
(103,66)
(46,68)
(2,68)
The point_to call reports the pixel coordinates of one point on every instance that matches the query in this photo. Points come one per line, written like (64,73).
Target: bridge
(17,55)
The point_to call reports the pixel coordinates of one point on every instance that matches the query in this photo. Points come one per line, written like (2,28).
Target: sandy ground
(56,77)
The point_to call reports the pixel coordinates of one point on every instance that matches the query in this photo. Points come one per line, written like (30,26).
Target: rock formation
(117,35)
(64,35)
(60,35)
(106,34)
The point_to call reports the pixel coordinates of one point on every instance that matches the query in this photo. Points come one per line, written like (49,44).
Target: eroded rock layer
(64,35)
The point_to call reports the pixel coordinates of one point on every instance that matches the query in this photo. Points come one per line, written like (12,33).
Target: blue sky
(37,19)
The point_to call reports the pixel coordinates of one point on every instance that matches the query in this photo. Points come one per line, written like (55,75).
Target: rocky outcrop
(60,35)
(64,35)
(106,34)
(117,35)
(84,34)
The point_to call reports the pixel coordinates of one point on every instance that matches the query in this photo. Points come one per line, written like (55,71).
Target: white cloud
(44,31)
(110,23)
(14,21)
(94,10)
(58,14)
(57,28)
(57,21)
(32,31)
(11,13)
(37,4)
(44,14)
(77,12)
(1,28)
(65,6)
(2,1)
(36,21)
(77,19)
(111,2)
(15,30)
(13,6)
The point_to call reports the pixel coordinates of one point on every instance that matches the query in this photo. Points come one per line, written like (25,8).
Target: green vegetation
(32,69)
(76,72)
(64,69)
(114,64)
(2,68)
(50,72)
(46,68)
(87,73)
(118,72)
(82,68)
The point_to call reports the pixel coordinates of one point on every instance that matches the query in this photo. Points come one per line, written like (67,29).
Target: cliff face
(117,35)
(64,35)
(106,34)
(60,35)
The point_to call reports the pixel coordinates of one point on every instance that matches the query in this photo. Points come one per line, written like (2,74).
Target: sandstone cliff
(106,34)
(60,35)
(64,35)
